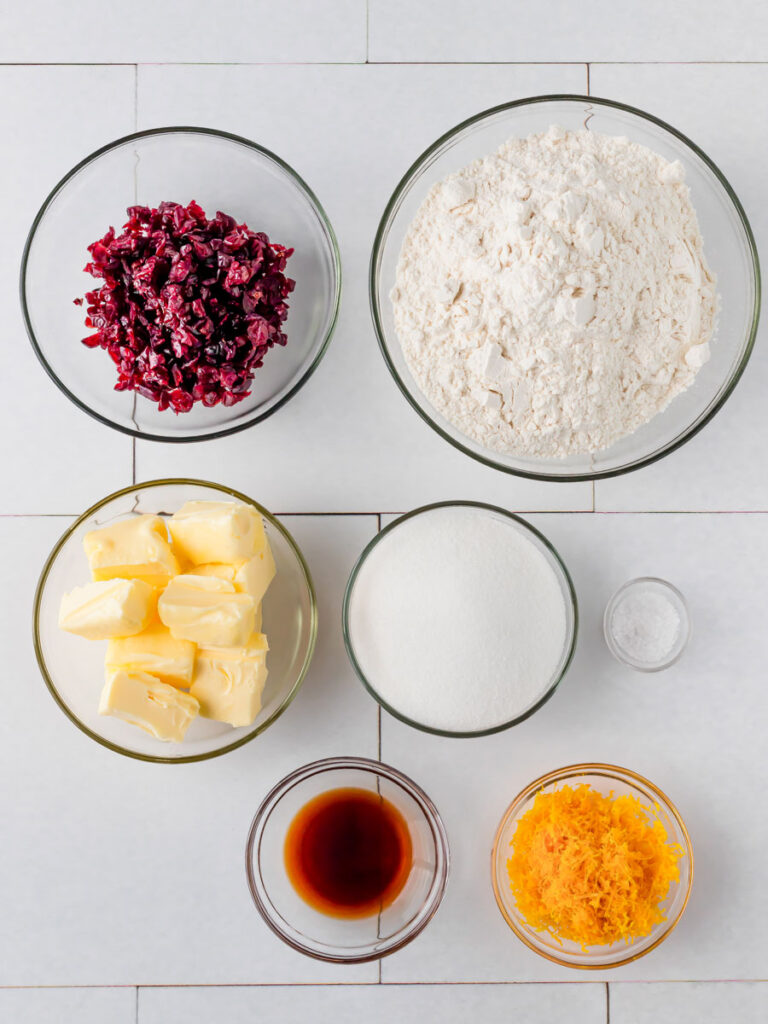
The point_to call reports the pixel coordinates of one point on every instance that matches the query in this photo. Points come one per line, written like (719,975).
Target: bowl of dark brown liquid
(347,860)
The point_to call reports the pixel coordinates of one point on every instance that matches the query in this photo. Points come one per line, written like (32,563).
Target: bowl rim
(617,774)
(559,564)
(40,589)
(685,624)
(227,137)
(374,296)
(380,770)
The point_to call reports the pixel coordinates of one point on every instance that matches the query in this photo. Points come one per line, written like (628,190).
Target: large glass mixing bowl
(729,248)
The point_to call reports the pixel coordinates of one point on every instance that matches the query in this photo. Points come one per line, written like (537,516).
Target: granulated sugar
(457,619)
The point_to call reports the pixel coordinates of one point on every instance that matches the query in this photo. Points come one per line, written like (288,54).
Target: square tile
(45,31)
(68,1005)
(690,1002)
(375,1004)
(487,30)
(720,108)
(115,871)
(348,442)
(56,458)
(695,730)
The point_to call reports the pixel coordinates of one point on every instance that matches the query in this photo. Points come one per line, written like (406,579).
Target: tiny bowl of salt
(646,624)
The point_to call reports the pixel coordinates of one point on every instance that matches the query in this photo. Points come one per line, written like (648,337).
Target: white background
(122,896)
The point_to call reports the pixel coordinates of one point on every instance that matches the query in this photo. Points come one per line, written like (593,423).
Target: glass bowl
(73,668)
(648,585)
(222,172)
(605,778)
(729,246)
(537,539)
(346,940)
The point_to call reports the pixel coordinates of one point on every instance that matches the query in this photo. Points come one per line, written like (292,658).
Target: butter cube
(135,548)
(207,610)
(217,531)
(229,682)
(154,651)
(220,570)
(230,573)
(157,708)
(252,576)
(98,611)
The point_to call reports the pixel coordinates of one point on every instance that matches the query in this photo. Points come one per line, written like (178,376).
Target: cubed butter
(154,651)
(253,576)
(135,548)
(229,682)
(109,608)
(217,531)
(230,572)
(157,708)
(220,570)
(207,610)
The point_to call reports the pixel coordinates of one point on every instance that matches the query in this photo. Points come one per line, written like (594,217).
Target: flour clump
(553,297)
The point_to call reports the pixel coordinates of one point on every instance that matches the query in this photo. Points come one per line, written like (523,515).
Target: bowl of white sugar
(460,619)
(565,288)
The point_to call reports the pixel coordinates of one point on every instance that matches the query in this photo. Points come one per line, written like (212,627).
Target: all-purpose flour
(458,620)
(553,297)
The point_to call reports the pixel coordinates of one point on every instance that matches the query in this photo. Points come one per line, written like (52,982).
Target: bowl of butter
(175,620)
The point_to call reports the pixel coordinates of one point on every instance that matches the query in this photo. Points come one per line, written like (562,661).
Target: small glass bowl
(73,668)
(652,585)
(222,172)
(607,779)
(342,940)
(729,246)
(556,564)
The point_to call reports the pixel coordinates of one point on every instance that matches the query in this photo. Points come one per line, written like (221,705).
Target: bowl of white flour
(565,288)
(460,619)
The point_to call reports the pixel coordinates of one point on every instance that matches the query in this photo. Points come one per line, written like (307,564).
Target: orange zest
(590,868)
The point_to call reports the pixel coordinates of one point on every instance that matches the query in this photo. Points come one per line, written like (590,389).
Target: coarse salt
(645,626)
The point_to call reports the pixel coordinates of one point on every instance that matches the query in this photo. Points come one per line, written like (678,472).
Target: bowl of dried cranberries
(180,284)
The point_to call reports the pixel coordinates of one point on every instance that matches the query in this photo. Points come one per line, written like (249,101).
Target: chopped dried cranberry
(189,306)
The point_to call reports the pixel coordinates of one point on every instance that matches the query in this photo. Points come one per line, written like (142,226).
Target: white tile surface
(696,730)
(376,1004)
(713,1003)
(593,30)
(348,441)
(723,109)
(176,30)
(54,457)
(68,1006)
(118,872)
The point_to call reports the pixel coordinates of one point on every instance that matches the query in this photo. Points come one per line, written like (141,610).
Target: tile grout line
(367,30)
(520,512)
(570,61)
(135,200)
(378,756)
(391,984)
(136,1007)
